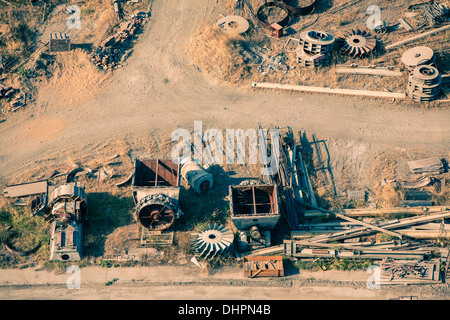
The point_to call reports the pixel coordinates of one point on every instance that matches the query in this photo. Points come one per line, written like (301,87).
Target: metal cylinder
(197,177)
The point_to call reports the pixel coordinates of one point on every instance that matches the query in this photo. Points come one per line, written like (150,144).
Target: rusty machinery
(424,83)
(65,207)
(156,190)
(276,28)
(197,177)
(254,212)
(357,43)
(314,48)
(299,10)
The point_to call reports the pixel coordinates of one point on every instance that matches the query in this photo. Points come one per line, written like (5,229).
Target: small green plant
(105,263)
(26,73)
(110,282)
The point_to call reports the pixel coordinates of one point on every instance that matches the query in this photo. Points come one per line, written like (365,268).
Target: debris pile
(402,271)
(110,52)
(434,13)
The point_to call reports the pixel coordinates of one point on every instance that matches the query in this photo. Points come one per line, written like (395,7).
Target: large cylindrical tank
(197,177)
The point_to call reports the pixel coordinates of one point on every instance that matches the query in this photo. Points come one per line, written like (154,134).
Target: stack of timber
(431,165)
(110,52)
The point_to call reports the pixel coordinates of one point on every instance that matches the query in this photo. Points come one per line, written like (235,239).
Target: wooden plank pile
(111,51)
(430,165)
(267,266)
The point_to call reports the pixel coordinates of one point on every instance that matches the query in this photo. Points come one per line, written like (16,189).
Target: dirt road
(188,283)
(159,91)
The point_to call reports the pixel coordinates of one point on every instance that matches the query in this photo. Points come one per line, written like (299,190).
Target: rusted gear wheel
(316,41)
(358,43)
(156,212)
(424,83)
(212,240)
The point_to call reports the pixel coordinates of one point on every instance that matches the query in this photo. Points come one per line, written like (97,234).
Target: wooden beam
(364,93)
(418,37)
(368,70)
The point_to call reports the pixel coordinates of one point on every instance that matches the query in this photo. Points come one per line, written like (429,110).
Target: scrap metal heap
(156,191)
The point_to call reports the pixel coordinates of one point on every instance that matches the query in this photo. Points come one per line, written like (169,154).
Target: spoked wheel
(156,217)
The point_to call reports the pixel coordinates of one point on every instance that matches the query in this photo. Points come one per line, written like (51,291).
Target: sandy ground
(159,91)
(188,283)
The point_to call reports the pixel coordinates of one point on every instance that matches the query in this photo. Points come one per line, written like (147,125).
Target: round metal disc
(417,56)
(233,24)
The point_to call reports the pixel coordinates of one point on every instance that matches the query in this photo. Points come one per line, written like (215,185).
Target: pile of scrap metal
(406,271)
(431,13)
(110,52)
(65,207)
(156,191)
(316,46)
(292,179)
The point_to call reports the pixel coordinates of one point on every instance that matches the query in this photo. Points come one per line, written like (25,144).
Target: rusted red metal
(299,11)
(259,15)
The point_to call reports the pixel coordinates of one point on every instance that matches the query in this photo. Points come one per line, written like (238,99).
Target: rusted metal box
(254,205)
(277,30)
(156,176)
(264,266)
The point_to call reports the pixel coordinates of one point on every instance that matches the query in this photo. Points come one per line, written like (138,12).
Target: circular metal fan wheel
(212,240)
(156,214)
(358,43)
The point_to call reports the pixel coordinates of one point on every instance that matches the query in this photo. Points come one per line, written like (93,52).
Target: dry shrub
(217,53)
(389,196)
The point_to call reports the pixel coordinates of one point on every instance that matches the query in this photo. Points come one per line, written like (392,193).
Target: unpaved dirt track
(159,90)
